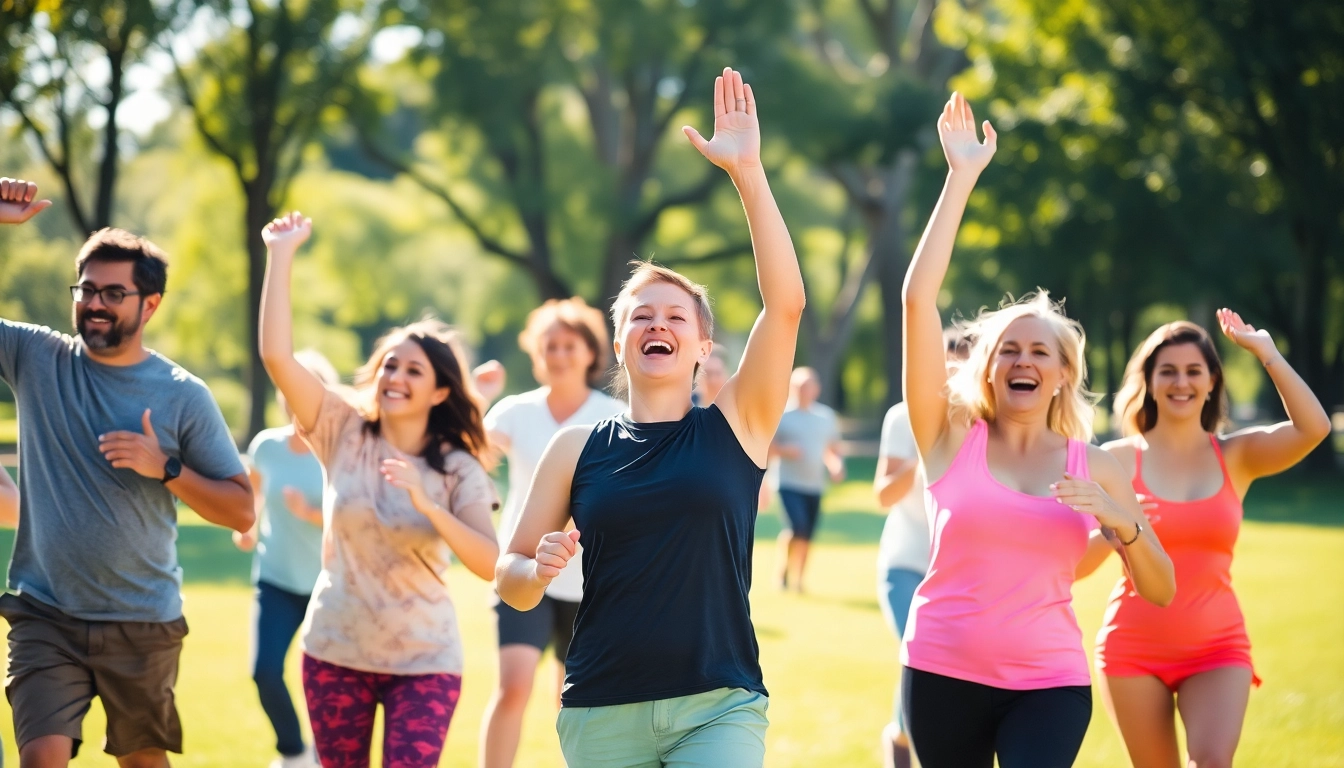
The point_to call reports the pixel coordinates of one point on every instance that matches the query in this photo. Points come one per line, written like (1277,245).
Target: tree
(45,64)
(258,95)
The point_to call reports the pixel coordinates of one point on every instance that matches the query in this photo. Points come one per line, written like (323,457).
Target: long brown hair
(1135,408)
(459,420)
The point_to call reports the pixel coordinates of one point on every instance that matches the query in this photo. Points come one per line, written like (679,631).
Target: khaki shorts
(58,663)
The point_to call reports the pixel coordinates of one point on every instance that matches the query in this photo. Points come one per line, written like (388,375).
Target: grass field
(830,663)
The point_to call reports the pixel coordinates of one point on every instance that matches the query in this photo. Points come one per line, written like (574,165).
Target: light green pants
(724,728)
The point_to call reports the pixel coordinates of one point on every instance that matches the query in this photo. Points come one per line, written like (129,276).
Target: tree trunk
(1307,343)
(107,168)
(258,215)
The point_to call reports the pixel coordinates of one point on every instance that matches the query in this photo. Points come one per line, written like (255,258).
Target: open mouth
(657,348)
(1023,385)
(1180,398)
(394,395)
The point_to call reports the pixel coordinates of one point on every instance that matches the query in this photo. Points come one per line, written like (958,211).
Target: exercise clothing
(801,512)
(811,430)
(527,422)
(551,623)
(959,724)
(289,550)
(667,511)
(996,605)
(905,534)
(1203,628)
(381,603)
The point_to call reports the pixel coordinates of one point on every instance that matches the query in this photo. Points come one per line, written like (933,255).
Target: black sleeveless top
(667,512)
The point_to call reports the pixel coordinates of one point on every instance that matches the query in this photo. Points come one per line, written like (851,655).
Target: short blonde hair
(971,394)
(576,316)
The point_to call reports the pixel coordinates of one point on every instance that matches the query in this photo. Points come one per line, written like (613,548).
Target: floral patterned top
(381,603)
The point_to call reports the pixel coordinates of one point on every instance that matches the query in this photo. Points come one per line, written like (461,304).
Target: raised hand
(1246,336)
(736,144)
(17,201)
(489,378)
(961,146)
(287,233)
(554,551)
(402,474)
(136,451)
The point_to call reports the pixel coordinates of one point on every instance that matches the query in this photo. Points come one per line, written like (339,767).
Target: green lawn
(830,662)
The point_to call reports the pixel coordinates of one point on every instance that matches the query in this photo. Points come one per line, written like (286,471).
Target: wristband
(1138,530)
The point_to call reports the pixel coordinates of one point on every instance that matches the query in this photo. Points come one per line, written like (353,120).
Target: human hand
(135,451)
(837,472)
(1246,336)
(1090,498)
(402,474)
(245,541)
(285,234)
(490,378)
(298,505)
(554,552)
(1148,504)
(17,203)
(962,148)
(736,144)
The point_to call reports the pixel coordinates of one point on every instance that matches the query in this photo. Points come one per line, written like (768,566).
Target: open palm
(737,133)
(287,232)
(1256,341)
(961,145)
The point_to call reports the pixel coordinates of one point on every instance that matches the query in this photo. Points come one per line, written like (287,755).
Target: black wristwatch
(171,469)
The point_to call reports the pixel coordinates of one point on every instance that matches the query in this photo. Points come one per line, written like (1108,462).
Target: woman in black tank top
(663,664)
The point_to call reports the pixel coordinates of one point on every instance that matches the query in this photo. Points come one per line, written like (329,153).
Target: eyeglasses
(112,295)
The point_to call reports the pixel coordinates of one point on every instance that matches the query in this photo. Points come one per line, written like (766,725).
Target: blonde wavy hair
(971,394)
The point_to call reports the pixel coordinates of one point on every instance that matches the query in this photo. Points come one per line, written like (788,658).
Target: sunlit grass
(829,661)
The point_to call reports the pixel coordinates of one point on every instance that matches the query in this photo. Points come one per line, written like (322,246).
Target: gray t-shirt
(94,542)
(812,430)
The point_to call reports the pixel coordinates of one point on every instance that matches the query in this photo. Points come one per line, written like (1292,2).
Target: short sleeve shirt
(812,430)
(527,421)
(289,552)
(905,535)
(96,542)
(381,603)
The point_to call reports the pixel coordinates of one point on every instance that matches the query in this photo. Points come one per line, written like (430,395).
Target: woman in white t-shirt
(567,341)
(903,555)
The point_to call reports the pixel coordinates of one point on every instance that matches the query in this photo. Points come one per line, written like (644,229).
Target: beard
(100,340)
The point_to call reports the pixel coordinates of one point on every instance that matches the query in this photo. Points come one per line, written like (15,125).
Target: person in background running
(113,435)
(713,375)
(567,341)
(405,491)
(903,554)
(287,481)
(993,655)
(1194,656)
(664,667)
(807,453)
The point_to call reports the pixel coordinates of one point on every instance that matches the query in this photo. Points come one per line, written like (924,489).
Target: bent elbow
(245,516)
(1163,597)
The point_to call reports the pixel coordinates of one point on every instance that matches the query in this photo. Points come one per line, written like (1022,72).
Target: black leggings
(959,724)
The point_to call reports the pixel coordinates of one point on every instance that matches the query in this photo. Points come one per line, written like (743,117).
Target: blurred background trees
(470,158)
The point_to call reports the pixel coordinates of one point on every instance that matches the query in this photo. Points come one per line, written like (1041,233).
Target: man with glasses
(112,432)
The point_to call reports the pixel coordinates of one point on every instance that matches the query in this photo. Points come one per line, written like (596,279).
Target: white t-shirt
(527,422)
(905,535)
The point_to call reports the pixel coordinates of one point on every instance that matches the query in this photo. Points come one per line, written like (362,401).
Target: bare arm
(9,501)
(835,461)
(895,478)
(1110,498)
(753,399)
(924,372)
(302,390)
(1261,451)
(467,531)
(540,546)
(247,540)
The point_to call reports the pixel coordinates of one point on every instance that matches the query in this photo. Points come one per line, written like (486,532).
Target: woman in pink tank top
(1195,650)
(994,660)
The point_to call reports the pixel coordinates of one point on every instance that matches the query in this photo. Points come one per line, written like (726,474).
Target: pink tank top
(996,605)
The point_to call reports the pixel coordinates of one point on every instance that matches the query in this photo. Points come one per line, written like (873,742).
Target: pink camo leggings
(341,705)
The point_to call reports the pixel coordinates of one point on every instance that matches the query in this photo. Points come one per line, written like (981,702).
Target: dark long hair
(1135,408)
(459,420)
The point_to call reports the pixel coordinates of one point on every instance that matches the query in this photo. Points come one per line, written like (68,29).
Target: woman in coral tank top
(994,659)
(1194,655)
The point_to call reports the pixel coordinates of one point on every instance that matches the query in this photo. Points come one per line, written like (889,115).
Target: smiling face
(1026,368)
(562,356)
(405,384)
(1181,382)
(661,338)
(104,326)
